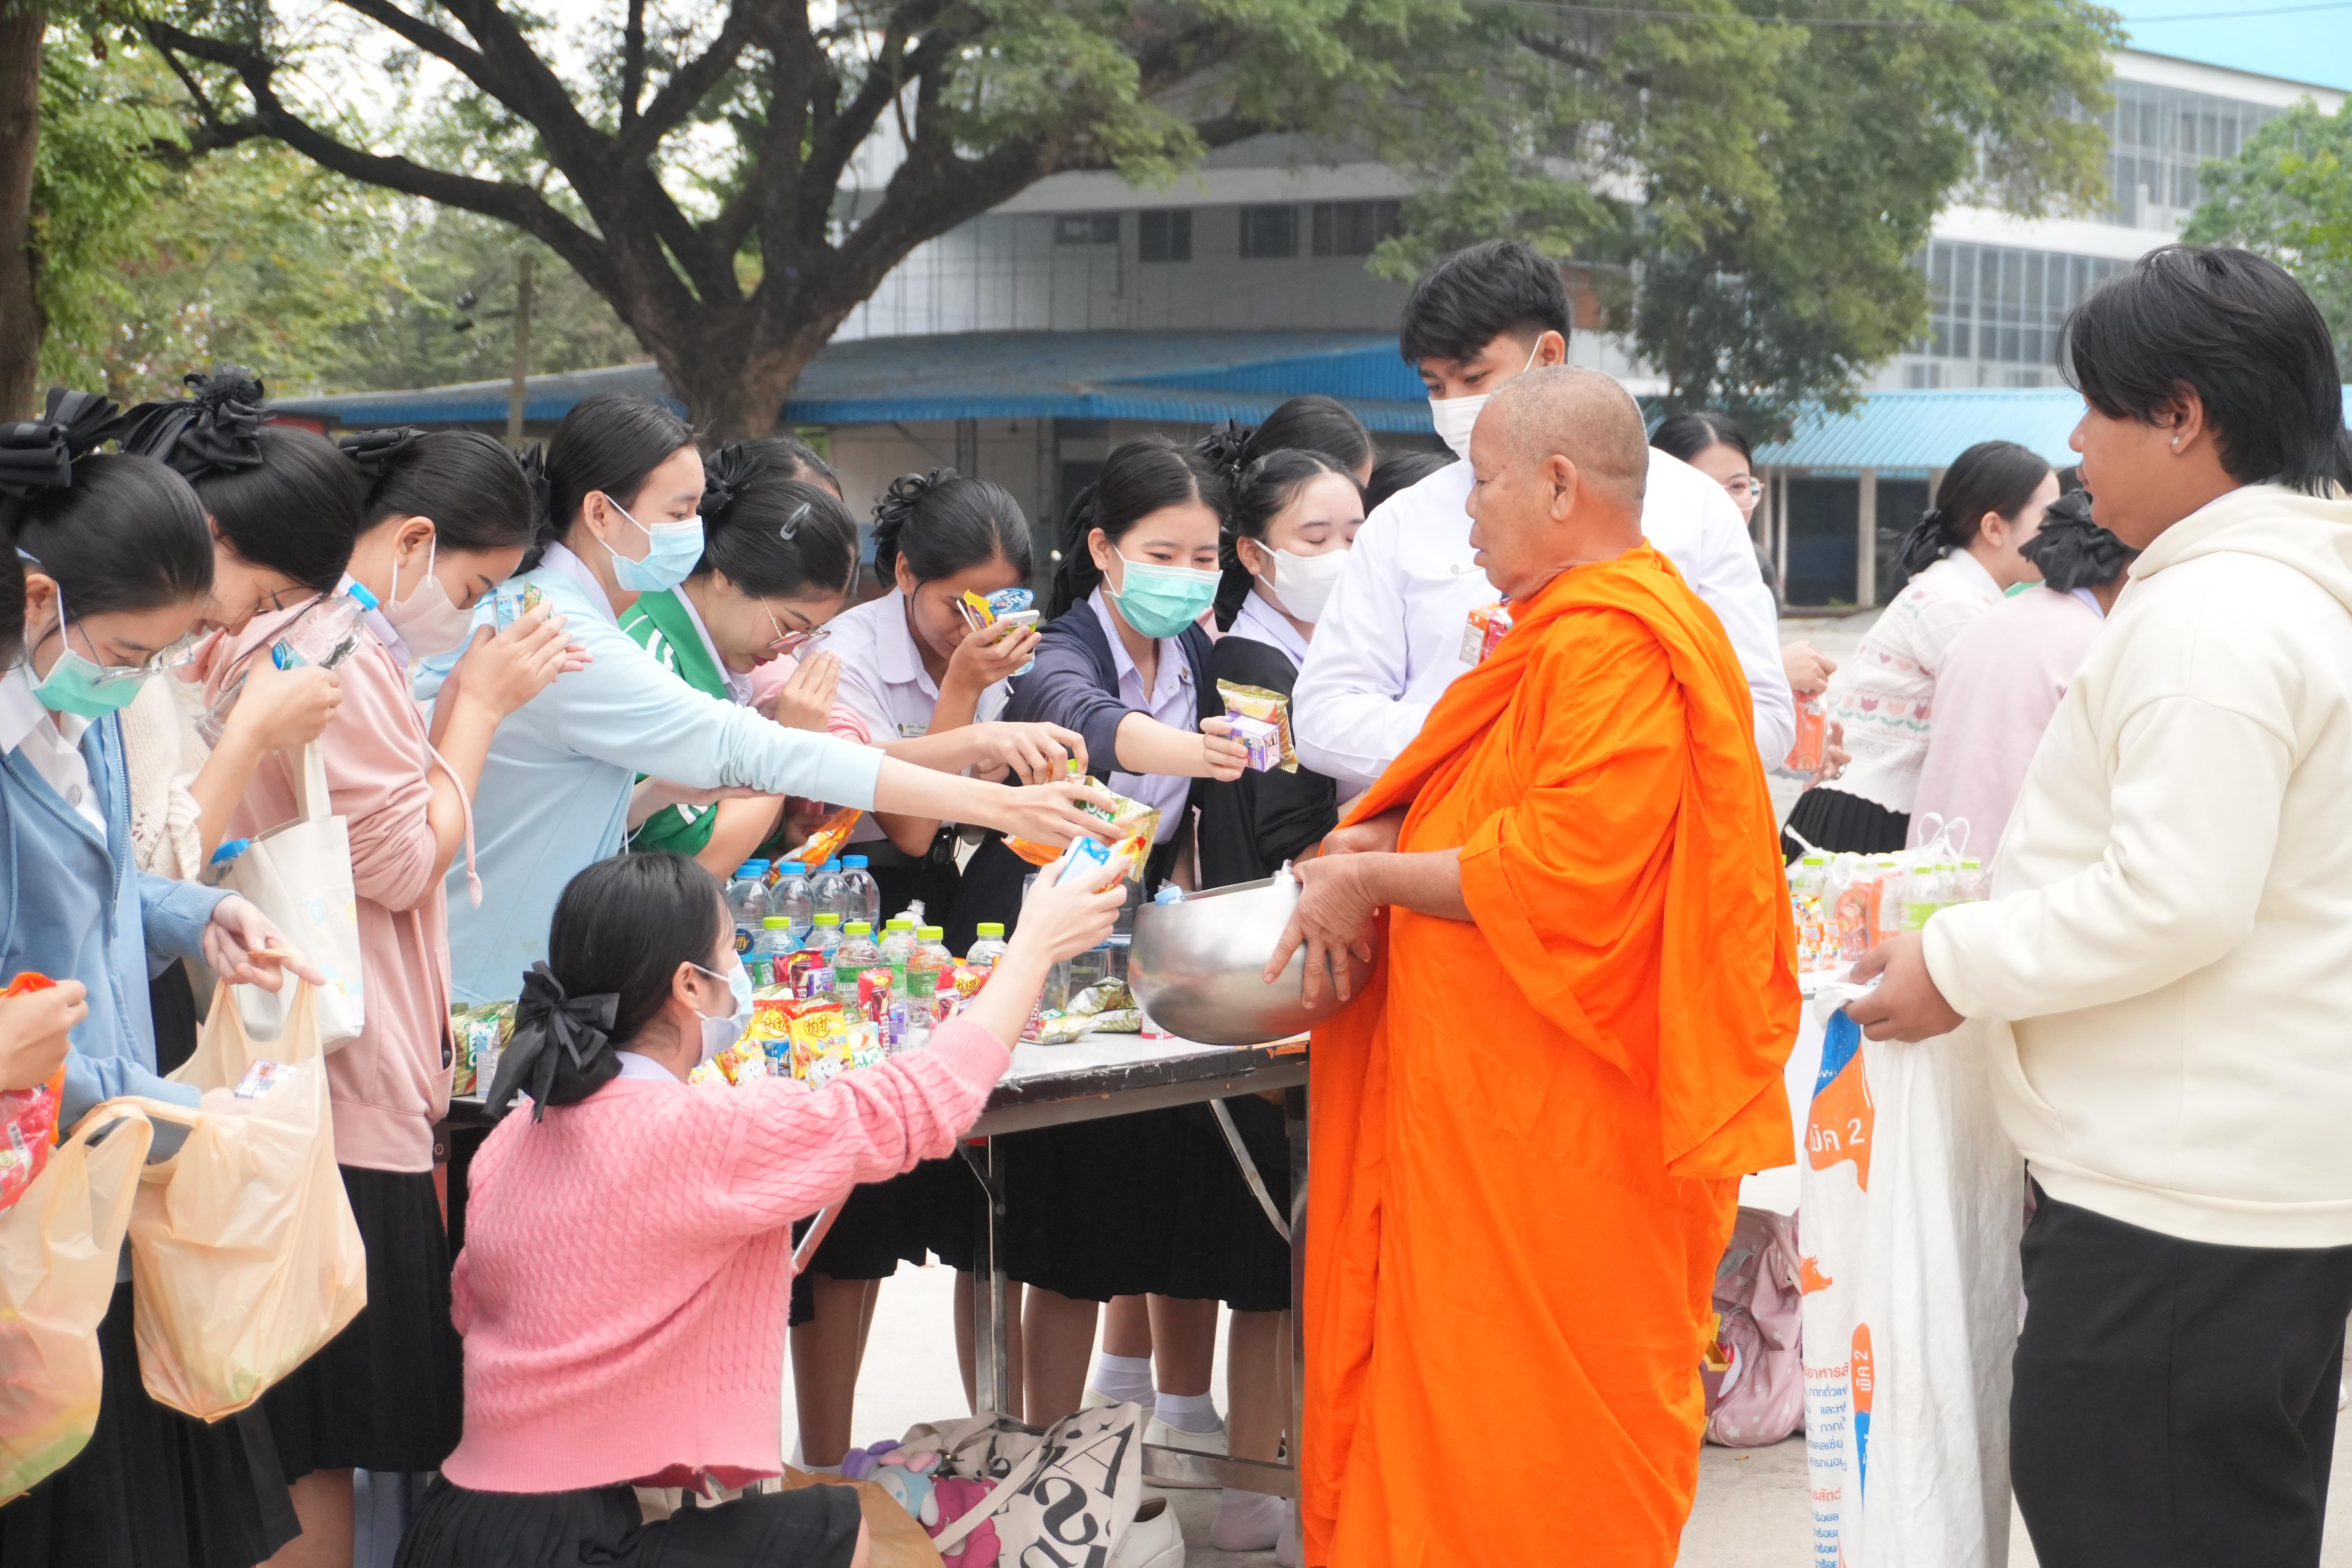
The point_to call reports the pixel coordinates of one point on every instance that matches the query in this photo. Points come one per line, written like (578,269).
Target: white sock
(1190,1412)
(1125,1378)
(1247,1521)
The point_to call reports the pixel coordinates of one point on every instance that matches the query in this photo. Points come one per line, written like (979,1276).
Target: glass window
(1823,522)
(1269,232)
(1353,228)
(2158,136)
(1086,229)
(1164,233)
(1993,303)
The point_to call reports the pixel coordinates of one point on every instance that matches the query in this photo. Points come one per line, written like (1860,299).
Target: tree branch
(633,61)
(685,88)
(432,41)
(529,88)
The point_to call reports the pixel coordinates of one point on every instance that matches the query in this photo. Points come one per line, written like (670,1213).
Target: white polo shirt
(883,682)
(1171,701)
(1389,641)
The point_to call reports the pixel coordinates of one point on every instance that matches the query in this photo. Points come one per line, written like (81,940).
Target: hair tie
(726,472)
(371,451)
(561,1049)
(216,430)
(38,455)
(1223,448)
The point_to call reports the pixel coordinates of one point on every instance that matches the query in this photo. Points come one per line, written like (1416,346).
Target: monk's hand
(1906,1005)
(1376,836)
(1333,919)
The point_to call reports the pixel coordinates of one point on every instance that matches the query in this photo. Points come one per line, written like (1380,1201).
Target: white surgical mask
(1455,415)
(1301,584)
(718,1034)
(428,620)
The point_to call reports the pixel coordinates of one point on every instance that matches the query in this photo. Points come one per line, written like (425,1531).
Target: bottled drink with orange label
(1812,749)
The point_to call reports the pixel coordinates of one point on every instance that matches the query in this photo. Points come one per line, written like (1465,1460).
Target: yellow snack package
(826,843)
(1138,824)
(1268,708)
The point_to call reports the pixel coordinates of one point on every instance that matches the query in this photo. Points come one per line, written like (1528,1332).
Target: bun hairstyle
(1137,479)
(279,496)
(1401,471)
(479,494)
(2072,551)
(622,927)
(1312,423)
(1267,485)
(771,532)
(608,444)
(115,533)
(941,523)
(1992,476)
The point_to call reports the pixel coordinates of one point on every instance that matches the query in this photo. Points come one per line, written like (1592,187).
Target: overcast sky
(2300,44)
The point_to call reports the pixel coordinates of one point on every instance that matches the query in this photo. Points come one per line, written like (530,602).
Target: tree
(689,173)
(22,25)
(2288,195)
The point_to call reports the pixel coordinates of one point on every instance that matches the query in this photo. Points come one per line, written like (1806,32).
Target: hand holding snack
(1054,814)
(282,709)
(1039,753)
(502,671)
(34,1018)
(1224,756)
(1072,905)
(990,654)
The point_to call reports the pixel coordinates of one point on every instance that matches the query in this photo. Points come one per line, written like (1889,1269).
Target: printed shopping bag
(58,1247)
(300,875)
(1758,1396)
(245,1258)
(1067,1494)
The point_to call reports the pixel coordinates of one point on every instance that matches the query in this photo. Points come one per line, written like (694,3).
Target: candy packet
(1261,743)
(513,599)
(1268,708)
(826,843)
(981,611)
(29,1117)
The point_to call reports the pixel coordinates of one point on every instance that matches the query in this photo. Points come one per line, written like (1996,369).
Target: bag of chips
(1138,825)
(29,1117)
(826,843)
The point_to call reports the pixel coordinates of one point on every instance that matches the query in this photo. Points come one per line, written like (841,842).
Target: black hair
(610,444)
(624,924)
(114,533)
(1312,423)
(802,462)
(279,495)
(1685,435)
(2239,332)
(943,523)
(1992,476)
(1137,479)
(773,534)
(12,607)
(1474,296)
(1266,487)
(2072,551)
(1401,471)
(476,491)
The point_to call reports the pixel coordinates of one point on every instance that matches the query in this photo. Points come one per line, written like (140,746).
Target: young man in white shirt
(2166,970)
(1392,638)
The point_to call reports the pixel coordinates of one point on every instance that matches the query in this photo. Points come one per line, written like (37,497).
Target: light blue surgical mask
(718,1034)
(1161,601)
(677,547)
(83,687)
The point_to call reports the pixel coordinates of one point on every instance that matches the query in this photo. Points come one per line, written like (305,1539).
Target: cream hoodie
(2171,940)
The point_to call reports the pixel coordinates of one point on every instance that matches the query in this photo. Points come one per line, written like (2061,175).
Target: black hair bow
(216,430)
(371,451)
(38,453)
(725,473)
(561,1050)
(1225,447)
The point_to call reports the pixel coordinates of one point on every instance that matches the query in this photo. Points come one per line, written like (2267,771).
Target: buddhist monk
(1528,1129)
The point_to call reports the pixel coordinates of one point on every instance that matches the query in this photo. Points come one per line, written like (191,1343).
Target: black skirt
(154,1489)
(388,1392)
(1219,1245)
(813,1526)
(1837,822)
(172,1004)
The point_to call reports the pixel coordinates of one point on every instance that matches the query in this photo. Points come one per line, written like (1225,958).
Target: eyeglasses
(1745,489)
(791,641)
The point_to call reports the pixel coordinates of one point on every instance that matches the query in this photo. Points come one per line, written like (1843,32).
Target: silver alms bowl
(1198,966)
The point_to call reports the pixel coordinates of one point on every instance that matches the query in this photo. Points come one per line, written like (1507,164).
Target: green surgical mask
(1161,601)
(83,687)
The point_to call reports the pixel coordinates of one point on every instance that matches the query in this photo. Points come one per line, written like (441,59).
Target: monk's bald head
(1561,461)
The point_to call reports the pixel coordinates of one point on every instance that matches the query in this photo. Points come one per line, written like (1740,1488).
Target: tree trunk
(738,394)
(21,322)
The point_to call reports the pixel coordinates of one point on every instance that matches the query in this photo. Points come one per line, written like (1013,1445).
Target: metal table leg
(991,1343)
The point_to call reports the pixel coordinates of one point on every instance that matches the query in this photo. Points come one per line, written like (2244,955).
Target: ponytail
(478,495)
(1997,476)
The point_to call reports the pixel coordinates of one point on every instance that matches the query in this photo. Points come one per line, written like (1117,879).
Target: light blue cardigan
(78,909)
(554,795)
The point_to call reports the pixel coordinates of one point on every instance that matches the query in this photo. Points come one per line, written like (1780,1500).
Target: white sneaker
(1168,1437)
(1153,1541)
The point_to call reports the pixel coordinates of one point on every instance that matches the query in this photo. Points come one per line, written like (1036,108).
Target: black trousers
(2174,1401)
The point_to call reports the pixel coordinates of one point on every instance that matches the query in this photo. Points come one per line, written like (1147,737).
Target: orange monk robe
(1527,1134)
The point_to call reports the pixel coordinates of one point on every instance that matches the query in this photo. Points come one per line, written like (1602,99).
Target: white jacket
(2171,940)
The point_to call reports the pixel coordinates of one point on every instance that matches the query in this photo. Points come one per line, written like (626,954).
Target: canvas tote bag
(300,875)
(1061,1495)
(244,1258)
(58,1247)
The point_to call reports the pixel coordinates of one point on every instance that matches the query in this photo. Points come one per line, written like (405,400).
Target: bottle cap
(853,862)
(828,920)
(751,868)
(833,865)
(931,933)
(898,922)
(1076,769)
(989,928)
(232,847)
(358,590)
(858,928)
(1971,866)
(1816,860)
(777,922)
(790,869)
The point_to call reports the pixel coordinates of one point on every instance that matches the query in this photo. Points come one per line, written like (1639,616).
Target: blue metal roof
(1914,432)
(1179,377)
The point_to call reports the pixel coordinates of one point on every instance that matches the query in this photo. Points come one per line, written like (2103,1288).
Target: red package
(29,1117)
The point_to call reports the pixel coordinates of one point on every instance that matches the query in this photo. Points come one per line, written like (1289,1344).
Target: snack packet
(1260,742)
(980,613)
(1266,707)
(1484,630)
(29,1117)
(1132,819)
(513,599)
(826,843)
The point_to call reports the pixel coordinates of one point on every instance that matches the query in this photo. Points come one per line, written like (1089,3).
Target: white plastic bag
(1913,1204)
(300,875)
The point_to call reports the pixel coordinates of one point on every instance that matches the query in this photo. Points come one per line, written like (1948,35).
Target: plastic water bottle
(864,892)
(988,945)
(747,900)
(773,945)
(788,895)
(813,966)
(829,895)
(897,945)
(323,635)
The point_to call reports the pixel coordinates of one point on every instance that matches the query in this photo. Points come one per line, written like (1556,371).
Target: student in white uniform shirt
(1390,640)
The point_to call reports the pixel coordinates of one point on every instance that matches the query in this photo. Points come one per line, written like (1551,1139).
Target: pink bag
(1759,1396)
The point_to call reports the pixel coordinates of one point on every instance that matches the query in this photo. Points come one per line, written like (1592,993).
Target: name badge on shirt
(913,731)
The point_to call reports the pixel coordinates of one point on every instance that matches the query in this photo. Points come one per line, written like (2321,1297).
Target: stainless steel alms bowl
(1198,966)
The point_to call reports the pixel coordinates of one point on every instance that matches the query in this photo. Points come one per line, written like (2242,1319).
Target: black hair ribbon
(561,1049)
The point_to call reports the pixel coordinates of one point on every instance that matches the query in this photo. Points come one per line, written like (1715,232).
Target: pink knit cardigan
(624,1279)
